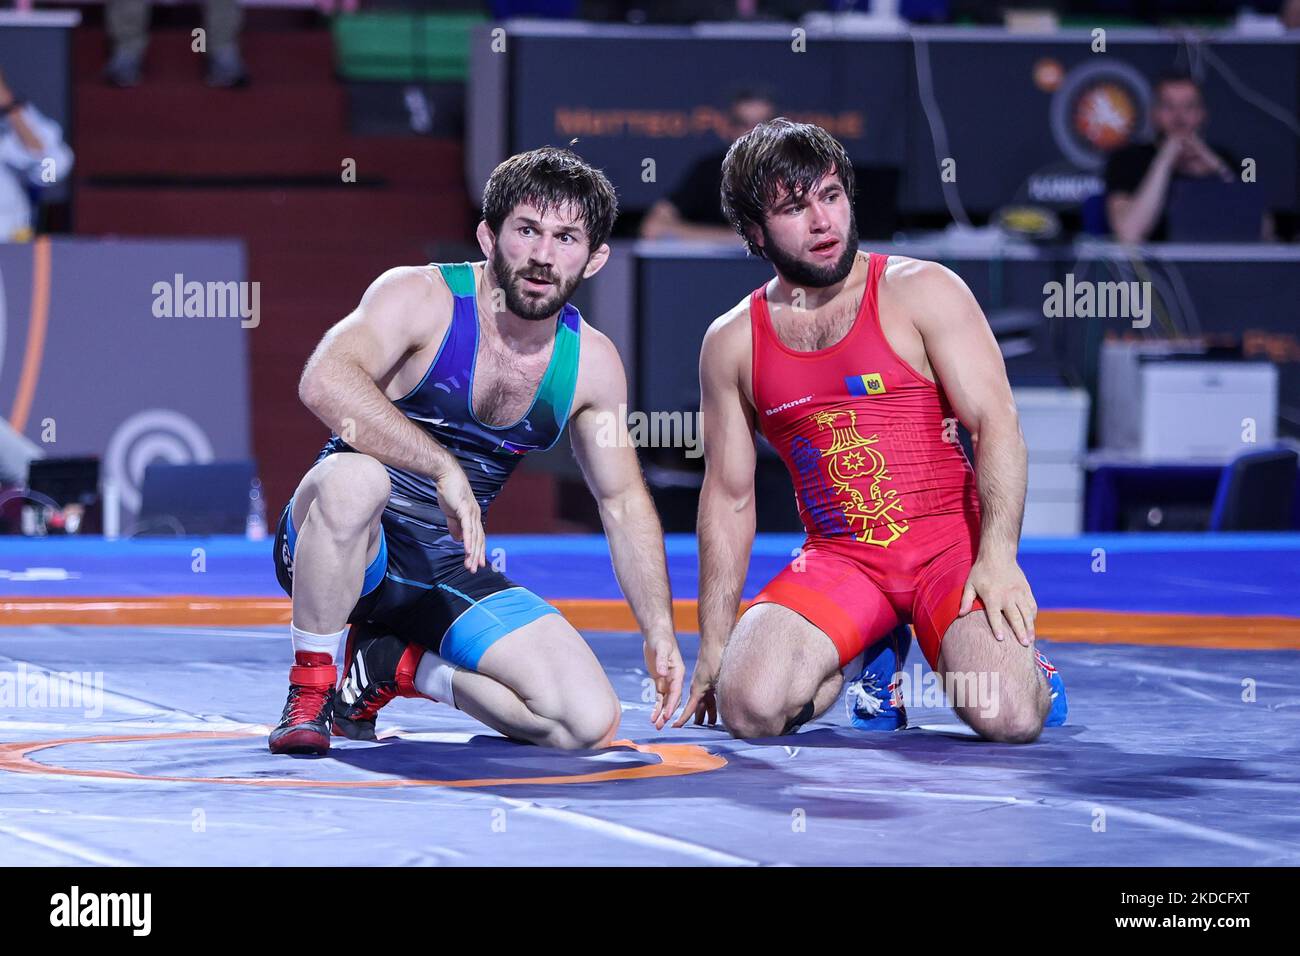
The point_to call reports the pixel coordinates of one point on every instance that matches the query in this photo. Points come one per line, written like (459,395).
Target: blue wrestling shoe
(1060,707)
(873,699)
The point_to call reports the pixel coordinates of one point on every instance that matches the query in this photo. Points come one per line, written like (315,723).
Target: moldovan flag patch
(869,384)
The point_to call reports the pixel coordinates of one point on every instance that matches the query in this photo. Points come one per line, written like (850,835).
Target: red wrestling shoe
(305,724)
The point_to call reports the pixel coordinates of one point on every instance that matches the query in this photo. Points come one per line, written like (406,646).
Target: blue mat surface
(1162,763)
(1213,574)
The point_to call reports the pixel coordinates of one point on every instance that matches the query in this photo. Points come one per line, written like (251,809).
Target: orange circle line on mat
(675,760)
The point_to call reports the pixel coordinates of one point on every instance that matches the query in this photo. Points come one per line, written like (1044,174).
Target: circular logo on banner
(145,437)
(1097,109)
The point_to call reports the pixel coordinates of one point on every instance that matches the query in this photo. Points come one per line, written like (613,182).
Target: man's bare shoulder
(727,346)
(729,332)
(601,377)
(596,350)
(410,303)
(404,286)
(932,296)
(908,277)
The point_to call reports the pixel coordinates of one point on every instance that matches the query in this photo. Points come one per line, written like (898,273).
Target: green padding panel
(432,47)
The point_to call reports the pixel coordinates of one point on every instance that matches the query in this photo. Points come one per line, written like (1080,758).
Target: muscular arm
(402,312)
(610,466)
(726,518)
(636,541)
(399,314)
(966,360)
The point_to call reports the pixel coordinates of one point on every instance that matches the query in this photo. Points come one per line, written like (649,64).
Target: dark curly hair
(770,159)
(547,178)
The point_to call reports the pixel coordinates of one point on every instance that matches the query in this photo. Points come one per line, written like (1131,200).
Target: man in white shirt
(32,153)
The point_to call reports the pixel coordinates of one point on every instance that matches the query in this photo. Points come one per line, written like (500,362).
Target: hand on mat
(464,519)
(703,700)
(1002,586)
(664,663)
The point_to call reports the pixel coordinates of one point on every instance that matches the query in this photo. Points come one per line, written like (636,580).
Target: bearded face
(808,267)
(812,239)
(534,290)
(539,258)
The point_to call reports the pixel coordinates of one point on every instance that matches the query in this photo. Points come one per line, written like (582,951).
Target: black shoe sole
(354,729)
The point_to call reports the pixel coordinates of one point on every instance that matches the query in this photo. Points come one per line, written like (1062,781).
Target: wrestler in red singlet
(884,489)
(899,529)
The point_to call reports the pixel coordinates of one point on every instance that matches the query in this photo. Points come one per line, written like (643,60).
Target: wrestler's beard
(533,309)
(800,273)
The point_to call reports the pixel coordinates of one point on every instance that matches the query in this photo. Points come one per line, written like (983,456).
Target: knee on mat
(591,727)
(746,715)
(1014,723)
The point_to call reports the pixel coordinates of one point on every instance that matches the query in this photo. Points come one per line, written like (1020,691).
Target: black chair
(1256,492)
(195,499)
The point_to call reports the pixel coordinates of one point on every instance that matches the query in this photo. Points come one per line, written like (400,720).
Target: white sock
(433,678)
(317,643)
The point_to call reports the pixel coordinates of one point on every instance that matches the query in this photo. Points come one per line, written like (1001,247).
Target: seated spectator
(694,209)
(32,155)
(128,27)
(1138,176)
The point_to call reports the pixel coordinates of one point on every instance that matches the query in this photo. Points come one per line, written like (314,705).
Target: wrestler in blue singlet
(417,585)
